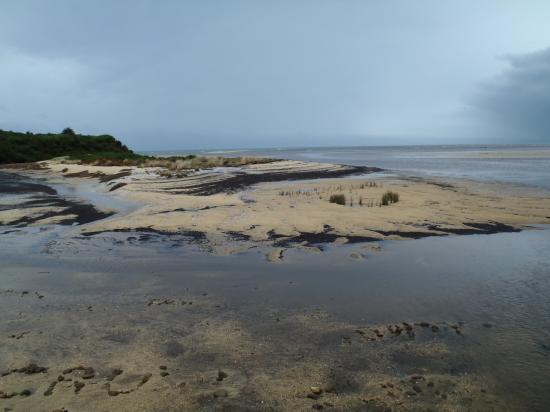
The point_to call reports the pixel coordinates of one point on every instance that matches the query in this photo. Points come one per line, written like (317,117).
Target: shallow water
(496,287)
(525,165)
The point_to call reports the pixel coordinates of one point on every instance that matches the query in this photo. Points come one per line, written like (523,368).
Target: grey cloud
(206,73)
(516,104)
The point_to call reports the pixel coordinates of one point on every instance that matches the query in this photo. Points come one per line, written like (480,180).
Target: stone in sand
(373,247)
(276,255)
(341,240)
(316,390)
(221,375)
(220,393)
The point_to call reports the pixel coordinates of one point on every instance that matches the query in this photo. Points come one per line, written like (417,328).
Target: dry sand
(289,213)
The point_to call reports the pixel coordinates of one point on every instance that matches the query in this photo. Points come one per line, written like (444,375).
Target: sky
(175,74)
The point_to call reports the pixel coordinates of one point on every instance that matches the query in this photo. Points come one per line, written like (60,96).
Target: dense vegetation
(29,147)
(102,150)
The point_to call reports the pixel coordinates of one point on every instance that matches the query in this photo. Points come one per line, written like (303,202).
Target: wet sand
(156,325)
(139,317)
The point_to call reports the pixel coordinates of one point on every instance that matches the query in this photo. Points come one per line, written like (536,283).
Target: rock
(78,386)
(416,378)
(89,373)
(163,367)
(25,392)
(316,390)
(487,325)
(221,375)
(357,256)
(50,388)
(341,240)
(317,406)
(164,374)
(276,255)
(32,368)
(435,328)
(373,247)
(417,388)
(5,395)
(221,393)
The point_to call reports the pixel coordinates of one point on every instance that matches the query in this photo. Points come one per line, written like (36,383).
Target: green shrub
(339,199)
(29,147)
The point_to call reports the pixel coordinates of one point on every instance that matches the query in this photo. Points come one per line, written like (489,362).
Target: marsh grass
(389,197)
(339,199)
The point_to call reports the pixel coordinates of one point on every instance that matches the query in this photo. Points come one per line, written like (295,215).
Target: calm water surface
(496,286)
(526,165)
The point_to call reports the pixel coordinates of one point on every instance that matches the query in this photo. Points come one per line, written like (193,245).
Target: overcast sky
(219,74)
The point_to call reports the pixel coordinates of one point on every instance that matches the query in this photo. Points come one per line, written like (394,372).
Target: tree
(68,131)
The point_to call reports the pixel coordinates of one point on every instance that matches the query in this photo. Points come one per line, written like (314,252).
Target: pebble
(316,390)
(220,393)
(221,375)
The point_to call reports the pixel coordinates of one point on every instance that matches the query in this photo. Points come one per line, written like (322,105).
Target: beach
(287,204)
(247,289)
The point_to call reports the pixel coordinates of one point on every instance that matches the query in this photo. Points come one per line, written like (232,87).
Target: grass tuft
(339,199)
(389,197)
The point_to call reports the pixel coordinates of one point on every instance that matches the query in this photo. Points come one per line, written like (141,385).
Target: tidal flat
(149,323)
(160,320)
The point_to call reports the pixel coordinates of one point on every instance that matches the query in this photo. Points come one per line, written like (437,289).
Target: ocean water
(524,165)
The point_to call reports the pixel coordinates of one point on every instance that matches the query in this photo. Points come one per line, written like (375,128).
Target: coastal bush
(339,199)
(389,197)
(30,147)
(102,150)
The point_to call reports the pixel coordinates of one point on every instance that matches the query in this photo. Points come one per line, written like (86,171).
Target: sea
(517,164)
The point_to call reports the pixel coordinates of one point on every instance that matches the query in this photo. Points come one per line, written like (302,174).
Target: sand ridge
(278,212)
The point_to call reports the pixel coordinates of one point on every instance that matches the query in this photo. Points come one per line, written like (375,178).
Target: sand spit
(286,203)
